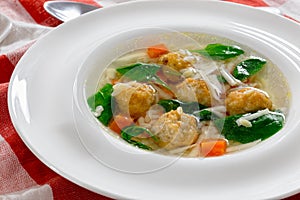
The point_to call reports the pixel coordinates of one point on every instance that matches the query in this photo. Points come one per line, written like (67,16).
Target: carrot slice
(119,122)
(165,90)
(157,50)
(213,147)
(114,81)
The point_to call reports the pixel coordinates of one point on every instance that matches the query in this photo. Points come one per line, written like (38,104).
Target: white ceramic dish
(41,105)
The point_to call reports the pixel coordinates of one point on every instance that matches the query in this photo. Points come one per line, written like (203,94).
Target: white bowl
(119,155)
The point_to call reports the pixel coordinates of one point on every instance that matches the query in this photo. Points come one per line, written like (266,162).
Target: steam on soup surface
(209,100)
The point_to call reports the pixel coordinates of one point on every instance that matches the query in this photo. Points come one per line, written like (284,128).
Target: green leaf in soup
(139,144)
(123,70)
(169,104)
(106,91)
(129,132)
(204,115)
(136,69)
(220,52)
(95,100)
(133,131)
(248,68)
(262,127)
(105,116)
(187,107)
(102,98)
(142,72)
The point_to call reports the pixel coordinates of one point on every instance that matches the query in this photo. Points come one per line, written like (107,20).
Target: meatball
(134,98)
(175,129)
(194,90)
(175,60)
(247,100)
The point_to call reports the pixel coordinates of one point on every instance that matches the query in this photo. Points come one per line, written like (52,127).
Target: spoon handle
(67,10)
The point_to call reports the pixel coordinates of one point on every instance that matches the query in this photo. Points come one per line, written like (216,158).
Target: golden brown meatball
(247,100)
(175,61)
(175,129)
(193,90)
(134,98)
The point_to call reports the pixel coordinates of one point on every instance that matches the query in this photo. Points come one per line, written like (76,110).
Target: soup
(211,99)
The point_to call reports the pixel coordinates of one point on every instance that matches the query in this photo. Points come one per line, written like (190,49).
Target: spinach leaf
(248,68)
(220,51)
(187,107)
(95,100)
(205,115)
(262,127)
(102,98)
(142,72)
(123,70)
(169,105)
(132,131)
(139,144)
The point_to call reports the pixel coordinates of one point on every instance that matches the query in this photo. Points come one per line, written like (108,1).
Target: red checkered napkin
(22,175)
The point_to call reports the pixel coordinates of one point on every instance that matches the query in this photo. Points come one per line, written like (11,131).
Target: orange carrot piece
(120,122)
(157,50)
(114,81)
(167,91)
(213,147)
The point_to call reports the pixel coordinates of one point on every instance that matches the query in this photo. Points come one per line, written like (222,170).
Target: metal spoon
(67,10)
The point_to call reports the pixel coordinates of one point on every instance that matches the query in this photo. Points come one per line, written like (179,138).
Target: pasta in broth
(196,102)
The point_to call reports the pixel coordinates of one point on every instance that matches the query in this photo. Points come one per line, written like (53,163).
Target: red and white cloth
(22,175)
